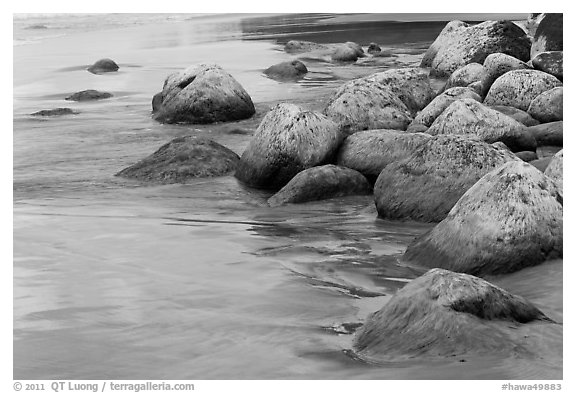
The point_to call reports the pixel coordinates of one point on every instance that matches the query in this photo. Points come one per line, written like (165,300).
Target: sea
(119,279)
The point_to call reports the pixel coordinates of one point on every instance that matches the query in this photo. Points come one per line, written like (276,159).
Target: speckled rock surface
(517,114)
(468,74)
(548,106)
(551,63)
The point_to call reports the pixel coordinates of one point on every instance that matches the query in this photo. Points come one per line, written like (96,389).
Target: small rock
(344,53)
(374,48)
(468,74)
(88,95)
(295,46)
(102,66)
(55,112)
(287,70)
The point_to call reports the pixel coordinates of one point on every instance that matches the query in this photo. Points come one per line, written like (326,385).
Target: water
(114,279)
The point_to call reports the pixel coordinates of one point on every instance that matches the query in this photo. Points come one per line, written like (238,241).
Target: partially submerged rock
(548,134)
(549,35)
(295,46)
(103,65)
(550,62)
(182,159)
(510,219)
(548,106)
(321,182)
(344,53)
(288,140)
(202,94)
(469,117)
(374,48)
(444,314)
(517,114)
(287,70)
(88,95)
(55,112)
(556,168)
(427,184)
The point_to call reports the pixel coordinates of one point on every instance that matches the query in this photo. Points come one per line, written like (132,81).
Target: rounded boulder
(103,65)
(287,70)
(551,63)
(548,106)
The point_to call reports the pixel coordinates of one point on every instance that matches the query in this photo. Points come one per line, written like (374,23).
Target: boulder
(287,141)
(55,112)
(497,64)
(469,117)
(427,116)
(157,101)
(555,169)
(510,219)
(445,314)
(549,35)
(321,182)
(460,44)
(518,88)
(547,151)
(374,48)
(182,159)
(369,152)
(548,134)
(88,95)
(287,70)
(295,46)
(102,66)
(548,106)
(344,53)
(427,184)
(517,114)
(527,156)
(203,94)
(468,74)
(551,63)
(357,48)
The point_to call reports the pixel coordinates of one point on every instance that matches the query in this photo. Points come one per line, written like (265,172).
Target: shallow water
(114,279)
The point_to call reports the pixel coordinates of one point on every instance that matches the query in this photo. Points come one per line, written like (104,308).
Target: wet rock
(517,114)
(203,94)
(182,159)
(157,101)
(497,64)
(321,182)
(55,112)
(357,48)
(288,140)
(427,184)
(287,70)
(88,95)
(374,48)
(548,134)
(427,116)
(468,74)
(549,35)
(103,65)
(548,106)
(460,44)
(555,169)
(518,88)
(469,117)
(527,156)
(445,314)
(510,219)
(295,46)
(369,152)
(551,63)
(344,53)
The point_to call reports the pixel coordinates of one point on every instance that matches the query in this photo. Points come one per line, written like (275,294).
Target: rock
(427,116)
(469,117)
(157,101)
(547,151)
(203,94)
(527,156)
(288,140)
(517,114)
(427,184)
(445,314)
(357,48)
(55,112)
(374,48)
(460,44)
(548,106)
(548,134)
(182,159)
(497,64)
(321,182)
(88,95)
(510,219)
(344,53)
(551,63)
(518,88)
(549,35)
(102,66)
(295,46)
(287,70)
(468,74)
(556,168)
(541,163)
(369,152)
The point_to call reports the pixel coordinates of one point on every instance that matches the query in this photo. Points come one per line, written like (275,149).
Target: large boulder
(287,141)
(203,94)
(548,134)
(517,114)
(445,314)
(497,64)
(460,44)
(89,95)
(469,117)
(548,106)
(369,152)
(428,114)
(518,88)
(287,70)
(551,63)
(549,35)
(344,53)
(555,169)
(182,159)
(469,74)
(103,65)
(510,219)
(321,182)
(427,184)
